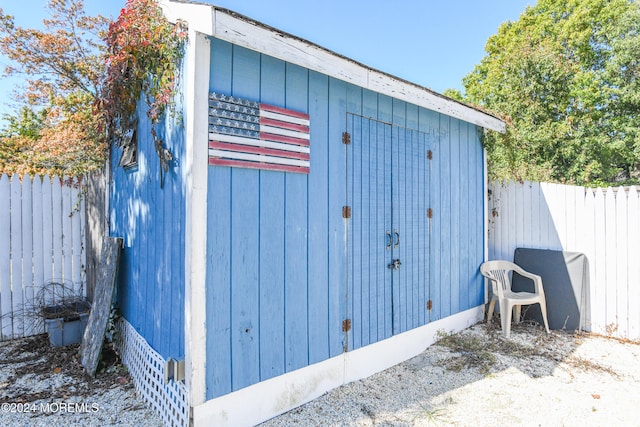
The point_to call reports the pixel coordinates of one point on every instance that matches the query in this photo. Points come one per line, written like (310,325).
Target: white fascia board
(249,34)
(245,32)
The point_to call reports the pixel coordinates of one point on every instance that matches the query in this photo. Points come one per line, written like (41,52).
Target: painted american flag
(249,134)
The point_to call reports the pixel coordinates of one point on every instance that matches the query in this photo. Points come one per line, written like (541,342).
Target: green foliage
(27,123)
(453,94)
(566,78)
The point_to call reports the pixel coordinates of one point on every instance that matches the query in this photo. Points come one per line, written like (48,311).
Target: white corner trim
(260,402)
(242,31)
(196,167)
(485,187)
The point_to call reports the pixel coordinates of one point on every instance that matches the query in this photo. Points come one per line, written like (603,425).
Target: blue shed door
(388,232)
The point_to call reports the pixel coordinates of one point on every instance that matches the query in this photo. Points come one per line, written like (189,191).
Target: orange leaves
(65,68)
(85,86)
(65,145)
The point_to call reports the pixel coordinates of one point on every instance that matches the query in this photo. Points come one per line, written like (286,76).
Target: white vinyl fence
(41,248)
(604,224)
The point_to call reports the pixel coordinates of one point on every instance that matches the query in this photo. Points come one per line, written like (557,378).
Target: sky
(432,43)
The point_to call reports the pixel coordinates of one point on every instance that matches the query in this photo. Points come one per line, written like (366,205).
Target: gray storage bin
(66,323)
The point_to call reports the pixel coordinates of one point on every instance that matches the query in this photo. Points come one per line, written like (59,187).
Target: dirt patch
(33,357)
(34,375)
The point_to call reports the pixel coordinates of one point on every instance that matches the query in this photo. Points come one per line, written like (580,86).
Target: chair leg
(516,313)
(492,306)
(505,317)
(543,310)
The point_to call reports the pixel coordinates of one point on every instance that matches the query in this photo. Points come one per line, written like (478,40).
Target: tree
(565,75)
(64,65)
(86,76)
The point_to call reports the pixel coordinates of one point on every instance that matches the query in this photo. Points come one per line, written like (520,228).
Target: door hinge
(346,212)
(429,154)
(429,213)
(429,305)
(346,138)
(346,325)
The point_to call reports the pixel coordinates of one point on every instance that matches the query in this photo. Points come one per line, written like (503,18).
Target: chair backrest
(498,272)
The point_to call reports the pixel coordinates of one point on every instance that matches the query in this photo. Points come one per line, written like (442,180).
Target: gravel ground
(477,378)
(473,378)
(45,386)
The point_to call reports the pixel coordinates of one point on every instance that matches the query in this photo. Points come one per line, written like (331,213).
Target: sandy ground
(45,386)
(473,378)
(478,378)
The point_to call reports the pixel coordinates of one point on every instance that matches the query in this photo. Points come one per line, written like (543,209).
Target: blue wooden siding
(277,249)
(457,237)
(150,285)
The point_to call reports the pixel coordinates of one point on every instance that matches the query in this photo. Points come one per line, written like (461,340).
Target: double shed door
(388,174)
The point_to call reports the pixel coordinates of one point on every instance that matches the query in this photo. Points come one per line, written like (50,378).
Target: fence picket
(633,215)
(67,236)
(622,291)
(47,232)
(16,257)
(586,242)
(39,243)
(535,222)
(600,279)
(38,246)
(5,258)
(611,320)
(27,255)
(77,243)
(56,232)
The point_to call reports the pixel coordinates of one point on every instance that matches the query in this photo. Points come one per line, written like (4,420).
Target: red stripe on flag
(280,110)
(258,150)
(214,161)
(286,139)
(284,125)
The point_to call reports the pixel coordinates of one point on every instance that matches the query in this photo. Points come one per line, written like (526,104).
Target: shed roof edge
(238,29)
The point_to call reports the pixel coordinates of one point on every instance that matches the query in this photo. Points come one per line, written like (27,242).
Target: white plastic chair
(500,274)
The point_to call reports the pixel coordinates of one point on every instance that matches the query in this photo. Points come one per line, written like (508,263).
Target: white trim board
(196,170)
(260,402)
(242,31)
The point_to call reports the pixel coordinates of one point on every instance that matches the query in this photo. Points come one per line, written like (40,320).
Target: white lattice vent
(146,366)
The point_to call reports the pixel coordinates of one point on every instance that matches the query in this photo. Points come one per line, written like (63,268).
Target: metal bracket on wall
(346,325)
(174,370)
(346,138)
(346,212)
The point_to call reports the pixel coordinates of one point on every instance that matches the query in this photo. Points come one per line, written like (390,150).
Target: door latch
(395,265)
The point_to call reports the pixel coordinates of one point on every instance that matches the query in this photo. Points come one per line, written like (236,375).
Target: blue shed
(320,222)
